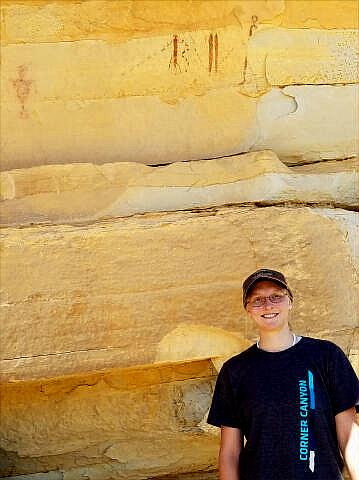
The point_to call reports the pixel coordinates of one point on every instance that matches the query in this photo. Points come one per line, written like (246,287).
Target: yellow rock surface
(81,193)
(122,419)
(320,14)
(84,81)
(118,279)
(67,20)
(224,120)
(89,70)
(281,56)
(113,329)
(289,121)
(112,333)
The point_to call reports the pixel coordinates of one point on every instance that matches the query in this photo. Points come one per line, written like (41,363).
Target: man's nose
(267,302)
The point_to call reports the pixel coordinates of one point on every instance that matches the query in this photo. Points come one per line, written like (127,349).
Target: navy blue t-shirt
(285,405)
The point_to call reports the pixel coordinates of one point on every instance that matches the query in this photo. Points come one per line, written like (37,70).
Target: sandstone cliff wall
(121,280)
(156,82)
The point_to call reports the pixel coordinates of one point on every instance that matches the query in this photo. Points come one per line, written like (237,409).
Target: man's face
(270,314)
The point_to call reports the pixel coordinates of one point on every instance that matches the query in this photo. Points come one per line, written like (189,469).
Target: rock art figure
(22,87)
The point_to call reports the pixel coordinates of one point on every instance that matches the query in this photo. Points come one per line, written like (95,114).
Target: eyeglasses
(275,298)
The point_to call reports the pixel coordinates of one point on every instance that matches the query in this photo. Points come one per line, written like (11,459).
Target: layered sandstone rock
(121,282)
(205,78)
(119,424)
(116,280)
(117,323)
(86,192)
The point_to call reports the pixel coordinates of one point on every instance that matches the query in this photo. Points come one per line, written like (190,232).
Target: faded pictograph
(181,59)
(183,49)
(22,86)
(213,45)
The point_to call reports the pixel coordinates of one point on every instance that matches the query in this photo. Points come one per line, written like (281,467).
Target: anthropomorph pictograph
(22,88)
(180,49)
(174,57)
(254,25)
(213,52)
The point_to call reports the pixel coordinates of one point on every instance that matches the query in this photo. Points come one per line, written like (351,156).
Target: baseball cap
(264,274)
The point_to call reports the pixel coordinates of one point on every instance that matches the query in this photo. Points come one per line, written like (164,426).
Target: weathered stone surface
(280,57)
(348,223)
(222,122)
(218,123)
(54,475)
(48,21)
(133,281)
(302,123)
(113,329)
(129,423)
(110,471)
(319,14)
(196,341)
(92,70)
(86,192)
(118,85)
(69,20)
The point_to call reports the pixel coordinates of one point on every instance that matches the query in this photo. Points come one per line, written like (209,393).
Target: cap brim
(260,279)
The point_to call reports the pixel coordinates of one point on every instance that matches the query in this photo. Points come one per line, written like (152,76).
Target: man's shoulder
(321,345)
(241,358)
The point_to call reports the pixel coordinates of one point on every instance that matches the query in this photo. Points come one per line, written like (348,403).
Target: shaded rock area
(134,421)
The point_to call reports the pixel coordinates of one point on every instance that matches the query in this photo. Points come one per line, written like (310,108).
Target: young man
(293,398)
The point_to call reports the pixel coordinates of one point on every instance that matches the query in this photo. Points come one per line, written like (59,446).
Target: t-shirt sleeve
(223,409)
(344,384)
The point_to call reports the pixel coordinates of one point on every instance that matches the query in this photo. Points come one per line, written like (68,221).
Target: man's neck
(276,341)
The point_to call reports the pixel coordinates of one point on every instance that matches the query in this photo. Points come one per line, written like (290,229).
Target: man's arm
(348,438)
(231,445)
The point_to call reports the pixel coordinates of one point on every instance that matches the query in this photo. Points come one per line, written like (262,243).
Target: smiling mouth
(269,315)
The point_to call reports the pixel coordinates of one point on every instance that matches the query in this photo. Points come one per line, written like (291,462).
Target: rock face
(156,282)
(210,80)
(130,216)
(81,193)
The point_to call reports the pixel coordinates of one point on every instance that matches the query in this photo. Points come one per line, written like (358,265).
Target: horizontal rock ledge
(33,371)
(152,130)
(78,193)
(92,421)
(37,22)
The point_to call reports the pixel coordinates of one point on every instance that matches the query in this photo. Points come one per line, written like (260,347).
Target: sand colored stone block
(90,70)
(121,419)
(49,21)
(220,122)
(322,58)
(329,14)
(309,123)
(79,193)
(203,60)
(300,123)
(106,81)
(133,281)
(198,341)
(281,56)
